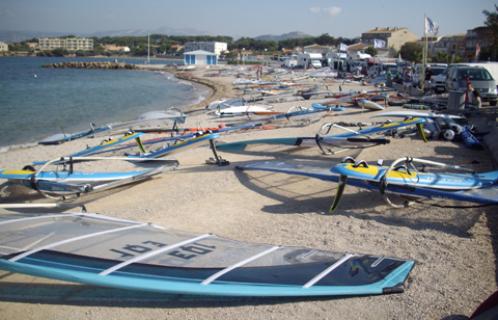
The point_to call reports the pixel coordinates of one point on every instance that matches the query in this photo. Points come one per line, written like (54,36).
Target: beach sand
(454,249)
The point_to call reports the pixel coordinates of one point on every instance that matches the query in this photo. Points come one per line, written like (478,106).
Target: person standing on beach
(472,96)
(259,72)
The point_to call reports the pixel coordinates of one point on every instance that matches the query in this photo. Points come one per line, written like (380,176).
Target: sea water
(36,102)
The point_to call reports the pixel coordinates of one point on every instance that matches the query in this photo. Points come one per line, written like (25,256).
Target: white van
(481,80)
(316,64)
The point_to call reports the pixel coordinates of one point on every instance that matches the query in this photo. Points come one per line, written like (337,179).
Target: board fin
(338,195)
(421,132)
(218,160)
(140,145)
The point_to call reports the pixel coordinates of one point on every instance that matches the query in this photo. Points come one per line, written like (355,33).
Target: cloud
(330,11)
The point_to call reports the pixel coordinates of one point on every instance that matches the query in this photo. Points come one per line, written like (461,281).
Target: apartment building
(70,44)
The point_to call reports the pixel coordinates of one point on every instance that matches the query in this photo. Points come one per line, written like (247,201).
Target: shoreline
(218,90)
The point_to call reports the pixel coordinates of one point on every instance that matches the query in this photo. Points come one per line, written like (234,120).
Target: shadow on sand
(361,204)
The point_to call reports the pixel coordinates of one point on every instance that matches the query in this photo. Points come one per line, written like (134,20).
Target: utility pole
(148,48)
(424,58)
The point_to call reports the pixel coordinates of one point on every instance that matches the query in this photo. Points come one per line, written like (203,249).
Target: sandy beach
(454,248)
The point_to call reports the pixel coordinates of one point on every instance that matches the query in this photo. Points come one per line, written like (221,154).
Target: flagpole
(424,57)
(148,48)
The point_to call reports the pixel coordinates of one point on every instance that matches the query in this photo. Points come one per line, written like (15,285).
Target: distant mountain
(17,36)
(143,32)
(285,36)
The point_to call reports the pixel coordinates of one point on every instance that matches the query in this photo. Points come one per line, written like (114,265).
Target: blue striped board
(446,181)
(318,106)
(69,177)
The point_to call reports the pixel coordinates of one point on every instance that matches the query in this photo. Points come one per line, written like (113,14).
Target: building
(454,44)
(32,45)
(393,37)
(115,48)
(477,38)
(210,46)
(3,46)
(316,48)
(356,47)
(70,44)
(200,57)
(431,41)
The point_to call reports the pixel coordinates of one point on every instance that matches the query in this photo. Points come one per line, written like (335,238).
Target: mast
(424,56)
(148,48)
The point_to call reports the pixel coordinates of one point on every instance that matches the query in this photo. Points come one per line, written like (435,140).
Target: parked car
(316,64)
(436,77)
(480,78)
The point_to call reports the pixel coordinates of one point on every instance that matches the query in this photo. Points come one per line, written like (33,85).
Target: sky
(348,18)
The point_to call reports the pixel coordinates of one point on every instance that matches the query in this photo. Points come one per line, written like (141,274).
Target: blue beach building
(200,57)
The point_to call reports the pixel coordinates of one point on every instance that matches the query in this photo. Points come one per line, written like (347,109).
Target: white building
(4,46)
(210,46)
(200,57)
(71,44)
(116,48)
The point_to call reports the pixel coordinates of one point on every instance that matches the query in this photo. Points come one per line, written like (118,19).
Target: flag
(378,43)
(430,26)
(343,47)
(478,51)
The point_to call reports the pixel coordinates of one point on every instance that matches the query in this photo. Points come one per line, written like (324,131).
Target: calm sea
(36,102)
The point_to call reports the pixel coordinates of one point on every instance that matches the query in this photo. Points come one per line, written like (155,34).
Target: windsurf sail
(351,138)
(108,143)
(104,146)
(172,114)
(105,251)
(63,137)
(177,145)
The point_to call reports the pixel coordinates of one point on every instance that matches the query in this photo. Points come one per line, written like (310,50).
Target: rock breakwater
(90,65)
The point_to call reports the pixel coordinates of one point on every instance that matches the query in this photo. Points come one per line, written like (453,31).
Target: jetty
(90,65)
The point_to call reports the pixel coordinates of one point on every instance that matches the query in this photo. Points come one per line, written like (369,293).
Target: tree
(19,46)
(492,23)
(371,51)
(325,40)
(441,57)
(411,51)
(59,52)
